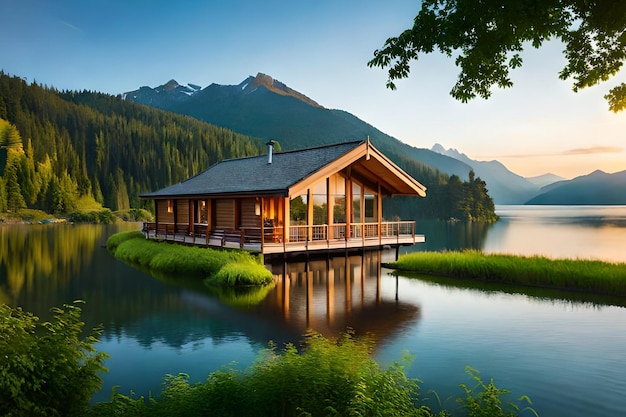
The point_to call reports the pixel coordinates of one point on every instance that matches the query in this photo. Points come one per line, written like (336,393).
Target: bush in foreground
(328,378)
(47,369)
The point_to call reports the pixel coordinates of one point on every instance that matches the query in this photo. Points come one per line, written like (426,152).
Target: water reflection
(450,235)
(30,253)
(333,294)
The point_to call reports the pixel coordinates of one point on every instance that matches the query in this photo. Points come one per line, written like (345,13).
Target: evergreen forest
(58,147)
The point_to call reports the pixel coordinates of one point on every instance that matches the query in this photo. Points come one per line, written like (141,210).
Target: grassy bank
(569,274)
(228,268)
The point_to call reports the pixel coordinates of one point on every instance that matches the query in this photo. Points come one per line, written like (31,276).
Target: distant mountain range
(266,108)
(597,188)
(505,187)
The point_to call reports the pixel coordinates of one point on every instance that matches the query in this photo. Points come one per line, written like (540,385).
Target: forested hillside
(58,146)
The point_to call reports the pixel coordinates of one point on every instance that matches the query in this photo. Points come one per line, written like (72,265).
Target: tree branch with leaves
(486,37)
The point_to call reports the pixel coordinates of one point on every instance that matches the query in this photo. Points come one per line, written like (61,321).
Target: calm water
(565,351)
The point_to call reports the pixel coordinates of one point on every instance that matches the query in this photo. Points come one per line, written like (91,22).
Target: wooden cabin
(318,199)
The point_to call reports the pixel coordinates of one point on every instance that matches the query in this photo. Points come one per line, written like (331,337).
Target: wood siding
(182,211)
(225,213)
(162,214)
(247,212)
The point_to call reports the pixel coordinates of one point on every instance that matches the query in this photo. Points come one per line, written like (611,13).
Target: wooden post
(262,202)
(309,215)
(348,207)
(379,213)
(192,218)
(329,211)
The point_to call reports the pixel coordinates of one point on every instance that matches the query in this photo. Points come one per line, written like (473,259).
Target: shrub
(46,369)
(241,274)
(222,267)
(104,216)
(329,378)
(115,240)
(135,215)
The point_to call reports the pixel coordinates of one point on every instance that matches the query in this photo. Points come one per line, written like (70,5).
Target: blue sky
(319,48)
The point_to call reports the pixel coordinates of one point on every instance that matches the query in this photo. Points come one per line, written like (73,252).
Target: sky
(321,49)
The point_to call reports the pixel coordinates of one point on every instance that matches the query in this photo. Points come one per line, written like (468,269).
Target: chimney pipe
(270,150)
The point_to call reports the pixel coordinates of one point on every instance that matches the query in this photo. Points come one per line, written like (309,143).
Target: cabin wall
(247,212)
(182,211)
(165,211)
(225,213)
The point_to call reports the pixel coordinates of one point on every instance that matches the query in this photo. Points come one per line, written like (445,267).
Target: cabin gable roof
(290,172)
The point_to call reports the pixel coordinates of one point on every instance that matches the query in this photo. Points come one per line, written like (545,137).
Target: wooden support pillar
(329,210)
(348,206)
(379,213)
(192,215)
(156,217)
(309,215)
(287,220)
(261,223)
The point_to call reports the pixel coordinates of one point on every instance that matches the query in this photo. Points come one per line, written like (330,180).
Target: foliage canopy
(49,368)
(486,37)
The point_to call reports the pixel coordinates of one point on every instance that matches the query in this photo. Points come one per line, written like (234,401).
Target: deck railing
(253,237)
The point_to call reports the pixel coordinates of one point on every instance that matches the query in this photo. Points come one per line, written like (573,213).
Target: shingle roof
(254,175)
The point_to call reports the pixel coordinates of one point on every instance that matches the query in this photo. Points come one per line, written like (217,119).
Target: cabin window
(371,214)
(356,203)
(320,203)
(170,206)
(337,195)
(204,216)
(298,210)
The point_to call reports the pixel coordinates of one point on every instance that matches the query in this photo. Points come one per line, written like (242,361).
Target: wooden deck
(301,239)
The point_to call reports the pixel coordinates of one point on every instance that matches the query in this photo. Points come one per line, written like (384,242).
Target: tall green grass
(537,271)
(329,377)
(235,268)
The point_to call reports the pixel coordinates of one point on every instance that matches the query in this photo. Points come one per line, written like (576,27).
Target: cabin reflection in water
(333,294)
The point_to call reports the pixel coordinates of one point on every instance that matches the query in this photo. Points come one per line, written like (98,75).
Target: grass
(218,267)
(536,271)
(328,377)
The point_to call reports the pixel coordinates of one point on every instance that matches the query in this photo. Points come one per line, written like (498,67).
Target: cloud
(568,152)
(593,150)
(71,26)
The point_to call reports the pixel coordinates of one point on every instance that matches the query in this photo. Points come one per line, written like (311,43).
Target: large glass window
(338,198)
(370,206)
(298,210)
(320,204)
(356,203)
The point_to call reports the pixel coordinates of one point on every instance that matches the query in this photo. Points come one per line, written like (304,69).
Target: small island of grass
(217,267)
(590,276)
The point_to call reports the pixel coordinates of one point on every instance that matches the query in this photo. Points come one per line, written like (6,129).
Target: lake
(566,351)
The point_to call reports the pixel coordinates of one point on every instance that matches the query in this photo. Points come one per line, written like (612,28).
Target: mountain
(266,108)
(545,179)
(505,187)
(60,150)
(597,188)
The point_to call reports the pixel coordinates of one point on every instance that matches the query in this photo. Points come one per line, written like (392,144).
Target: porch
(300,238)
